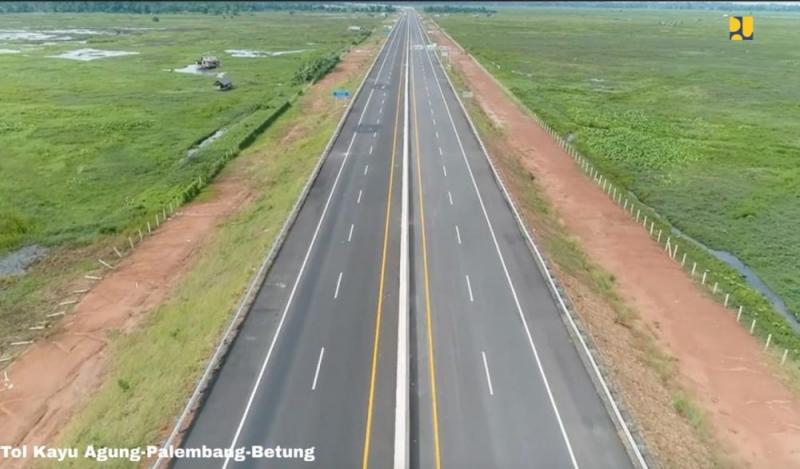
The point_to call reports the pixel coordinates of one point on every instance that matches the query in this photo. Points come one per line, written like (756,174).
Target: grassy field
(93,145)
(700,128)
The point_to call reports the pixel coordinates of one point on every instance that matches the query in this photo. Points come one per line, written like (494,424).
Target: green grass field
(701,128)
(87,147)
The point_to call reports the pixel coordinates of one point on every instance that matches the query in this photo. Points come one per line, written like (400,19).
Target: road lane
(488,298)
(309,367)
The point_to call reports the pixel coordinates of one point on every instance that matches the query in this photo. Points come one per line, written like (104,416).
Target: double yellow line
(429,325)
(379,309)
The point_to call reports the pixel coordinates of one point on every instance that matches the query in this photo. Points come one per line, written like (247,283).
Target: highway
(494,379)
(313,363)
(498,381)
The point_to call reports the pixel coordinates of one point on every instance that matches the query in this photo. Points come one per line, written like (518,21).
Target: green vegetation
(93,150)
(93,146)
(155,367)
(700,128)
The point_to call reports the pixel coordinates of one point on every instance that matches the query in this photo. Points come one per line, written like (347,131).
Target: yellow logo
(741,28)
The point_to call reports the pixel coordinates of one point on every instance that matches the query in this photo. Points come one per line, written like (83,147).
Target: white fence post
(703,282)
(769,339)
(752,326)
(694,267)
(683,261)
(130,241)
(726,299)
(715,288)
(739,314)
(783,358)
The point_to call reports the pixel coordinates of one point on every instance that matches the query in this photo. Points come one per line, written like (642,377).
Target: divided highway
(494,380)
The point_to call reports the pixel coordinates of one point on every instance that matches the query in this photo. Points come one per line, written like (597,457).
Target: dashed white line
(469,288)
(437,134)
(488,377)
(444,170)
(358,201)
(450,196)
(370,149)
(440,151)
(458,234)
(338,284)
(379,121)
(374,134)
(366,168)
(434,121)
(350,234)
(319,364)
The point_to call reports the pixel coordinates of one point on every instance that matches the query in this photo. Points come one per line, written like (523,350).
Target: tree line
(218,8)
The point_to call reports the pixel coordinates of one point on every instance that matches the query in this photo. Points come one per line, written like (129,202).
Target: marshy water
(16,262)
(751,278)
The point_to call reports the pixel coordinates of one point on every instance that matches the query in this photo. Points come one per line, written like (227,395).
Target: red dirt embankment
(750,408)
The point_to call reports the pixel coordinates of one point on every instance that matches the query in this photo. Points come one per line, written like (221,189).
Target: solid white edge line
(621,423)
(507,275)
(402,413)
(246,299)
(488,376)
(316,373)
(300,272)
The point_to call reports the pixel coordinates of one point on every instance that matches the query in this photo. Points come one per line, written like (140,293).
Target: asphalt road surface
(494,379)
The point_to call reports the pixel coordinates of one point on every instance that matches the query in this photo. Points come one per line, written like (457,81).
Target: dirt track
(750,409)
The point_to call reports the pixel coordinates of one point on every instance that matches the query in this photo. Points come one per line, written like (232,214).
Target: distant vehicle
(207,62)
(223,83)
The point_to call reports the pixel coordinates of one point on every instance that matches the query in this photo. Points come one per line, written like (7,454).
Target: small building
(223,83)
(354,28)
(207,62)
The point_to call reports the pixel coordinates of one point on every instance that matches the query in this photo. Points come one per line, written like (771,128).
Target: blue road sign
(341,94)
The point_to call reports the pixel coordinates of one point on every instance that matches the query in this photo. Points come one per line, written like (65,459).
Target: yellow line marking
(379,309)
(431,361)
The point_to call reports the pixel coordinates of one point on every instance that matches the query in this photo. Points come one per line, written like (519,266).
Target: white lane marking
(350,234)
(358,201)
(507,275)
(437,134)
(434,121)
(338,284)
(469,289)
(458,234)
(380,110)
(379,121)
(374,134)
(319,364)
(370,149)
(278,329)
(440,151)
(488,377)
(450,196)
(366,168)
(444,171)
